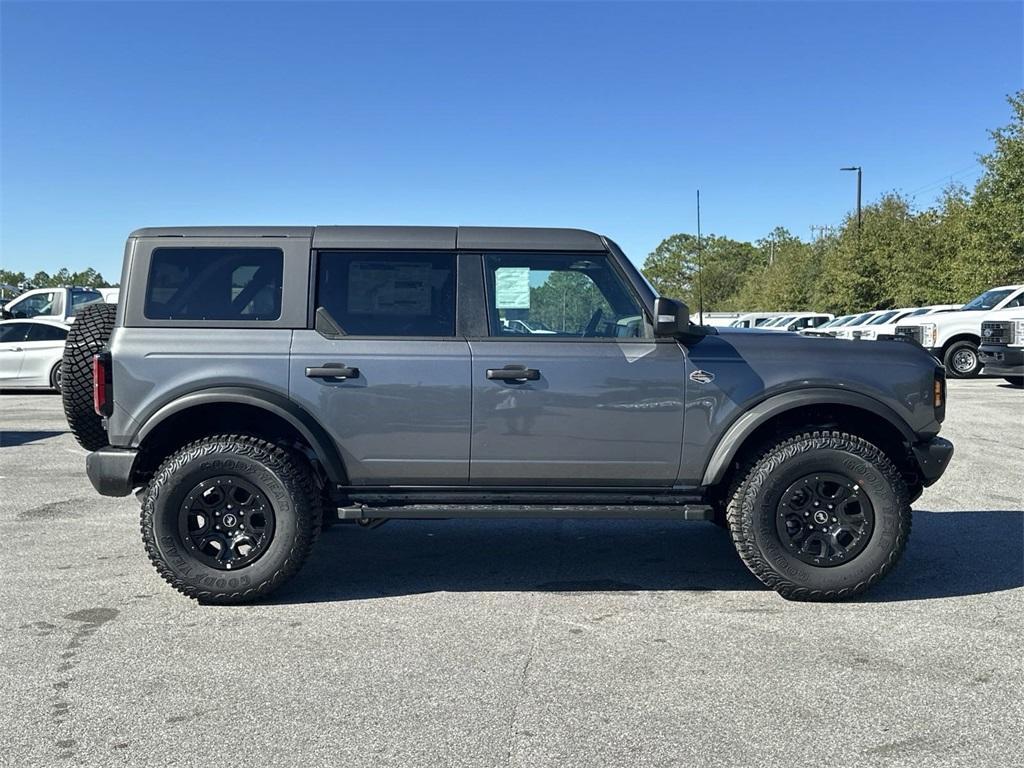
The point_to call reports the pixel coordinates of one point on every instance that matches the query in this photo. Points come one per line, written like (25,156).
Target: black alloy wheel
(227,522)
(823,519)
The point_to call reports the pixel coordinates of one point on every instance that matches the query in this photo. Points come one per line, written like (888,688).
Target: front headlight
(1018,333)
(927,334)
(868,334)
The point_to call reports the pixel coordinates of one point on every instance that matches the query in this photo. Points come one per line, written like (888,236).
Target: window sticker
(393,288)
(512,288)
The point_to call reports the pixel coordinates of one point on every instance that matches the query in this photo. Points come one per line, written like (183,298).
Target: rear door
(382,367)
(44,347)
(570,387)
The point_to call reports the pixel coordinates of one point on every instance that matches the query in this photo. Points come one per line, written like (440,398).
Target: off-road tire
(1017,381)
(88,335)
(952,351)
(286,480)
(752,512)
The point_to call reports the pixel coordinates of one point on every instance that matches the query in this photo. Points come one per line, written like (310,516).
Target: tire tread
(292,469)
(741,514)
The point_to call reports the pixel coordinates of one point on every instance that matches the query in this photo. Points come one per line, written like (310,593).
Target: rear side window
(41,332)
(214,284)
(13,332)
(388,294)
(80,298)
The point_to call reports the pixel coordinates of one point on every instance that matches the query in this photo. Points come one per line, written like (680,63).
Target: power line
(944,180)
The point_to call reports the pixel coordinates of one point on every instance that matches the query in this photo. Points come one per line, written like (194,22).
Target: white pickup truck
(954,337)
(1002,345)
(51,303)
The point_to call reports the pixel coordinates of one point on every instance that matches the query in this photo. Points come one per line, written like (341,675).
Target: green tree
(995,220)
(672,268)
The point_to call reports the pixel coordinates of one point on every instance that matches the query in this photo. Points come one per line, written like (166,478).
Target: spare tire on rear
(88,335)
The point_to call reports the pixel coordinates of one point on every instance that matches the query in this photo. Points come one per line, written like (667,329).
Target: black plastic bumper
(1000,360)
(110,470)
(933,458)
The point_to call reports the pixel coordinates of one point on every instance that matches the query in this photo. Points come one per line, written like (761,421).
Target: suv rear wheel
(820,516)
(961,360)
(228,519)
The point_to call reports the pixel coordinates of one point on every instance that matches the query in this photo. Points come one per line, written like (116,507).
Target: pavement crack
(520,691)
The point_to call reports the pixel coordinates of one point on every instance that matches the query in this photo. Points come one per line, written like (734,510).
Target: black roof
(420,238)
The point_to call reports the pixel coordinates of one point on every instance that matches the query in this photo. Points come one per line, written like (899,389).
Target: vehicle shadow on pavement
(950,554)
(563,556)
(954,554)
(10,439)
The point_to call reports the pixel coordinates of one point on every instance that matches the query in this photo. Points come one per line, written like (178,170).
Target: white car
(754,319)
(846,332)
(798,321)
(886,328)
(30,353)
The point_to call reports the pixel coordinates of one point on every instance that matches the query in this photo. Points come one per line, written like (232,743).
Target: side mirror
(5,314)
(671,317)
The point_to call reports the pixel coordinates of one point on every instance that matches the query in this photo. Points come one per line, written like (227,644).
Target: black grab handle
(330,371)
(513,373)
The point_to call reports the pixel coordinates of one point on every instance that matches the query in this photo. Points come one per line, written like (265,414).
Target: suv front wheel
(820,516)
(228,519)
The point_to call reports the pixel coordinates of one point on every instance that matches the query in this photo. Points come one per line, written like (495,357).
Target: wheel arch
(963,336)
(233,409)
(807,409)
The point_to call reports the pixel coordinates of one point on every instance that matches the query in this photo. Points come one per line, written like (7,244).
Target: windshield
(838,321)
(861,319)
(921,311)
(882,318)
(987,300)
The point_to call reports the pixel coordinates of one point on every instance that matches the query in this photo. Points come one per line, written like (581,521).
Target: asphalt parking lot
(528,643)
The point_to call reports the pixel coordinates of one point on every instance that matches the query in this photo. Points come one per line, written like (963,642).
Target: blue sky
(605,116)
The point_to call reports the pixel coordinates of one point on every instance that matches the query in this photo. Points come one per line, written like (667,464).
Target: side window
(559,295)
(35,305)
(388,294)
(80,297)
(44,332)
(214,284)
(12,333)
(1016,301)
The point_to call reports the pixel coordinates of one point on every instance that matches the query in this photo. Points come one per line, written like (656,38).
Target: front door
(570,387)
(12,350)
(383,370)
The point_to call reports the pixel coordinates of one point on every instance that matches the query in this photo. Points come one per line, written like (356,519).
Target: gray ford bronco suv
(257,383)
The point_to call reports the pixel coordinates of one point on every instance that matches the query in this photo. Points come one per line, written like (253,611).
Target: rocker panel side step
(597,511)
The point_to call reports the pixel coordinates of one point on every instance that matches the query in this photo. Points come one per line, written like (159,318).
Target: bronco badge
(702,377)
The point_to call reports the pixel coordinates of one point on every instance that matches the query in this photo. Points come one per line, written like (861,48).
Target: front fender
(743,427)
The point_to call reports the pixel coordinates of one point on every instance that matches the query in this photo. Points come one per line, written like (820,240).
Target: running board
(554,511)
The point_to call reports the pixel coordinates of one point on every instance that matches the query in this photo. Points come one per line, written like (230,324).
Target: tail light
(102,391)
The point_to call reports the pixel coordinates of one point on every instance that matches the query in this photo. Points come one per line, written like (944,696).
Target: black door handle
(514,373)
(332,371)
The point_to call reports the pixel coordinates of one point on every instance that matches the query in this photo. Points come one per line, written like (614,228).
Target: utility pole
(860,173)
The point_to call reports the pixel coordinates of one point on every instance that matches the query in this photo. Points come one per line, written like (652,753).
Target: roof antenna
(700,271)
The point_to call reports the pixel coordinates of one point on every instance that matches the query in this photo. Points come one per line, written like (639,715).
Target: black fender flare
(277,404)
(743,427)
